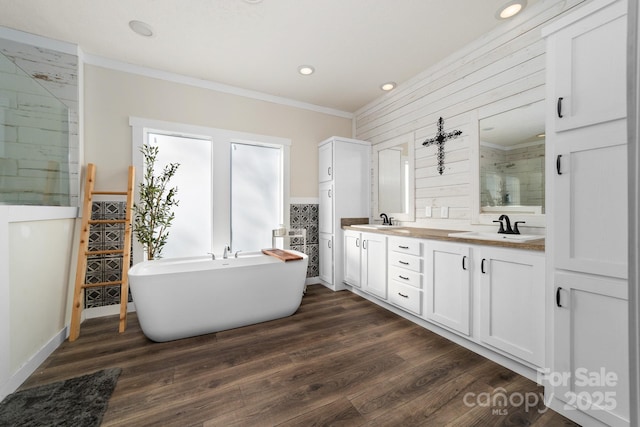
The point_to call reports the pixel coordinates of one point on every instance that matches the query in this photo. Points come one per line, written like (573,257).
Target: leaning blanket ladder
(84,252)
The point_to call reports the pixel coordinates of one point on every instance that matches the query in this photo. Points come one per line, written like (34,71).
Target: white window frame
(221,140)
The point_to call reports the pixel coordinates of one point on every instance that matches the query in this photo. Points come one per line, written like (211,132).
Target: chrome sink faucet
(227,250)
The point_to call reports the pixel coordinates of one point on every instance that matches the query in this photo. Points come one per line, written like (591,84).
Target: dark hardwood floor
(340,360)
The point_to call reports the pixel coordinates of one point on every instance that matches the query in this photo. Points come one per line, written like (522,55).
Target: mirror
(393,182)
(512,161)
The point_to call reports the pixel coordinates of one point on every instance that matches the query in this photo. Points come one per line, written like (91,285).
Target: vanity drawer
(405,246)
(409,262)
(407,297)
(405,276)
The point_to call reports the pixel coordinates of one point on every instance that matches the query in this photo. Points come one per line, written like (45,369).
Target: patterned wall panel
(105,268)
(306,216)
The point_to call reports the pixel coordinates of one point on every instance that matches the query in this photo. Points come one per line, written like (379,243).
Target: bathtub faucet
(227,249)
(213,256)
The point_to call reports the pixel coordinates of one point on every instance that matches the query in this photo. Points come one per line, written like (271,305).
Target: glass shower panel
(191,230)
(256,195)
(34,141)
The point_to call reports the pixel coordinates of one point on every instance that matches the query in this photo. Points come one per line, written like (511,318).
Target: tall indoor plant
(153,214)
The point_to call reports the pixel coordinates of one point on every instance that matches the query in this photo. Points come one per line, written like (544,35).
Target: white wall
(111,97)
(34,278)
(504,64)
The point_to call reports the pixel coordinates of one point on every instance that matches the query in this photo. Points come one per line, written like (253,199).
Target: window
(233,187)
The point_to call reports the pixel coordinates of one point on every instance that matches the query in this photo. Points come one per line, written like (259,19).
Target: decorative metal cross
(439,139)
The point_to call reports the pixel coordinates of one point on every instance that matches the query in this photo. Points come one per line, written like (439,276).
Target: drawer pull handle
(464,258)
(403,262)
(558,164)
(403,295)
(558,297)
(559,107)
(329,171)
(482,266)
(403,247)
(403,278)
(358,242)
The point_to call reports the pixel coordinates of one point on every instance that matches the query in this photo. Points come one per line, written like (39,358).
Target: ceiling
(354,45)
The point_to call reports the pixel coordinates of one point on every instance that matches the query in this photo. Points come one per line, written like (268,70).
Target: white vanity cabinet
(590,341)
(352,264)
(511,285)
(405,274)
(587,215)
(447,297)
(344,189)
(365,261)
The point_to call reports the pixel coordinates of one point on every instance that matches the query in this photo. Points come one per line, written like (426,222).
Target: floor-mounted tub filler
(184,297)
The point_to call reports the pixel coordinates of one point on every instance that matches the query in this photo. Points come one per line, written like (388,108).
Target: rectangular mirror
(511,164)
(393,178)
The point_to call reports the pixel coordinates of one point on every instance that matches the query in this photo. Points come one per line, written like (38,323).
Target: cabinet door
(512,289)
(447,297)
(590,202)
(326,258)
(590,75)
(325,165)
(374,264)
(352,258)
(591,350)
(325,213)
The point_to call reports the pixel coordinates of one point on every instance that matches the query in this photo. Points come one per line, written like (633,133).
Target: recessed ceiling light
(141,28)
(306,70)
(388,86)
(510,9)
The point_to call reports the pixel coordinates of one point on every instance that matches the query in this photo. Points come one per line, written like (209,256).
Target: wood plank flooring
(340,360)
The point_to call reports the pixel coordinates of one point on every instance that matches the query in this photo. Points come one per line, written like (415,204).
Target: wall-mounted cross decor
(439,139)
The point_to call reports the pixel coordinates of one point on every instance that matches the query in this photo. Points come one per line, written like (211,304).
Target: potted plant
(153,214)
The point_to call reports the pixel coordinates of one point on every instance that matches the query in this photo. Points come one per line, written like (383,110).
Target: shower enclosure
(34,141)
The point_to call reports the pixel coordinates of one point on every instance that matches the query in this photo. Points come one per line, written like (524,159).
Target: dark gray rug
(80,401)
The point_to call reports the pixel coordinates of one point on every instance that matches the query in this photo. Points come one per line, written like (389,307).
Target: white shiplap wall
(504,65)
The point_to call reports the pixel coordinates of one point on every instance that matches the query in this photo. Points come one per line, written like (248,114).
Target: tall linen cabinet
(587,216)
(345,191)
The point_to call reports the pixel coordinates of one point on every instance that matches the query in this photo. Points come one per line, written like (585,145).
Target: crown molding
(103,62)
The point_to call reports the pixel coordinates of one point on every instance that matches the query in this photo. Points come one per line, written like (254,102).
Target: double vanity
(485,293)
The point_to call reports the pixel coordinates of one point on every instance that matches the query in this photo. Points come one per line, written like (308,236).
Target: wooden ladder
(84,252)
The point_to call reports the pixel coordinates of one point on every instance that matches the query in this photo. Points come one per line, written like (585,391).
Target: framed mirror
(393,178)
(510,162)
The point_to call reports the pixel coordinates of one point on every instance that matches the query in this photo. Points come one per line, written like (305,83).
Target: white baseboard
(32,364)
(311,280)
(108,310)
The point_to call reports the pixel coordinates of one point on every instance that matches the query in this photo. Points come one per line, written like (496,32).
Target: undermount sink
(381,227)
(516,238)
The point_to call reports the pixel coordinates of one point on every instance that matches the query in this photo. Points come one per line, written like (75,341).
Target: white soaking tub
(184,297)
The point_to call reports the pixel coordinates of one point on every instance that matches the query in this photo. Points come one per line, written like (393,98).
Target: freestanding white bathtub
(184,297)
